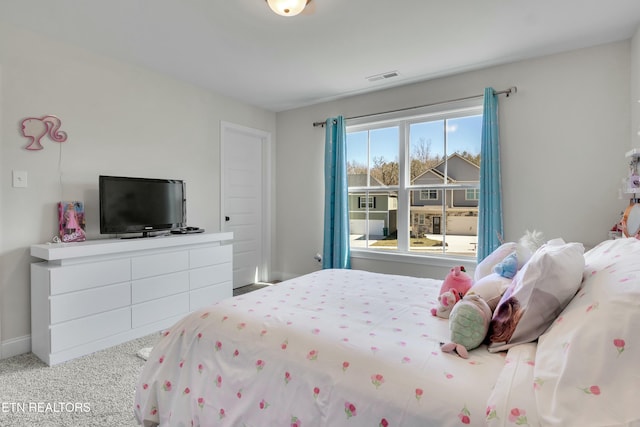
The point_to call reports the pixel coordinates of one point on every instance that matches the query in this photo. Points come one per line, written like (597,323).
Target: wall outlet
(19,179)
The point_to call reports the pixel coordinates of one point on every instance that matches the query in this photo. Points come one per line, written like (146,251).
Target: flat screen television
(141,205)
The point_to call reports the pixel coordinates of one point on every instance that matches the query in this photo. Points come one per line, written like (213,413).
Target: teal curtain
(336,252)
(490,229)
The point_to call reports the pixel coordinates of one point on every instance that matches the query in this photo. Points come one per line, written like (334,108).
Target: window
(414,181)
(428,194)
(367,202)
(472,194)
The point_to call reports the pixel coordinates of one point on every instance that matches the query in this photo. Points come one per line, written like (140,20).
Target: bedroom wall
(563,139)
(635,90)
(121,120)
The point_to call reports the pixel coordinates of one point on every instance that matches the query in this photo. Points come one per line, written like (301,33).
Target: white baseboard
(279,275)
(15,346)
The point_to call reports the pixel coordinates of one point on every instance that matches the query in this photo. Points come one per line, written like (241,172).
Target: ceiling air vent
(383,76)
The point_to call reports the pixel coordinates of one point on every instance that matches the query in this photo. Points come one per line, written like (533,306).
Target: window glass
(373,175)
(440,191)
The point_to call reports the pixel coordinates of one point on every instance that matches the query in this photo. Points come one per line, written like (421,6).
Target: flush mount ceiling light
(288,7)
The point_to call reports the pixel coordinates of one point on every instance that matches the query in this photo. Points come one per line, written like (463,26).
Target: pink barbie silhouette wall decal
(35,128)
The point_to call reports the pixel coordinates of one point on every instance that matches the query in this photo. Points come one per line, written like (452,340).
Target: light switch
(20,179)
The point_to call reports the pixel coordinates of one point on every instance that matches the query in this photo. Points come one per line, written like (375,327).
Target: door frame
(264,265)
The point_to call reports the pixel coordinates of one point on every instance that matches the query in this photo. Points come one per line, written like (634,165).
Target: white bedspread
(332,348)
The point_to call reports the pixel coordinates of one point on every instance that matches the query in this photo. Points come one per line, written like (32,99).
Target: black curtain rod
(507,92)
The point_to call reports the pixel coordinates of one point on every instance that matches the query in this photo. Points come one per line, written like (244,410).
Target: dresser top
(90,248)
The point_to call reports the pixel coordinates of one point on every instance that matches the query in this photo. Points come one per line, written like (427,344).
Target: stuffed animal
(508,267)
(457,281)
(446,301)
(527,245)
(469,319)
(468,324)
(524,249)
(490,288)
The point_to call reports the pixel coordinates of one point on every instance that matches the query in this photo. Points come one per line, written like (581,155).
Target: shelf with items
(633,153)
(629,224)
(632,183)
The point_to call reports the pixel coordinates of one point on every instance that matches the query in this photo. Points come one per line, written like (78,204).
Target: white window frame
(366,202)
(404,119)
(476,192)
(437,197)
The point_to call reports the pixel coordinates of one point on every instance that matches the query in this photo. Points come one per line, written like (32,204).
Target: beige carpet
(94,390)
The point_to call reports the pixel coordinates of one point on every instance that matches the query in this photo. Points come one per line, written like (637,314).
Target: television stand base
(144,235)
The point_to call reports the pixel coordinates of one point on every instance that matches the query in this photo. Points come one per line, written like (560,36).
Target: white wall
(564,135)
(635,90)
(563,138)
(121,120)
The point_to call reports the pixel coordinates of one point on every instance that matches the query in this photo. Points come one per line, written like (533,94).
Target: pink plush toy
(446,301)
(457,281)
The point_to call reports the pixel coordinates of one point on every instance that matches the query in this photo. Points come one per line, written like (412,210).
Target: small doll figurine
(70,223)
(71,219)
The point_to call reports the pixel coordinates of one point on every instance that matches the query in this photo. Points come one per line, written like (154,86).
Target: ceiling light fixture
(288,7)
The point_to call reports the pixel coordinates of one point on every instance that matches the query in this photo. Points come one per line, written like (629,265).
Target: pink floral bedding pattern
(587,368)
(332,348)
(513,400)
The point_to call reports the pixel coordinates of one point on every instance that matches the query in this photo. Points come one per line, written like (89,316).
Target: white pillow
(512,401)
(587,363)
(485,267)
(490,288)
(539,292)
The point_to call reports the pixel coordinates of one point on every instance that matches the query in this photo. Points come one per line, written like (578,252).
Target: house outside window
(472,194)
(367,202)
(414,180)
(428,194)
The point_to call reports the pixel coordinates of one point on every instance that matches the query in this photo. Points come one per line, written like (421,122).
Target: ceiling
(241,49)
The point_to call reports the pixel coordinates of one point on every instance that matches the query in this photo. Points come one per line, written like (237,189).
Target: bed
(354,348)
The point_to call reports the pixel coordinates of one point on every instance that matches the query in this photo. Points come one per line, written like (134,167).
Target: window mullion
(403,193)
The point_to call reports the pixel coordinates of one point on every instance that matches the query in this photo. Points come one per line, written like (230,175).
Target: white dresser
(91,295)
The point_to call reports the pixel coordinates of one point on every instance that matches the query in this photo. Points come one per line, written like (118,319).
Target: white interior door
(245,199)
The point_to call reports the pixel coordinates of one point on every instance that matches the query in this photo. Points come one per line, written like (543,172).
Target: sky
(462,134)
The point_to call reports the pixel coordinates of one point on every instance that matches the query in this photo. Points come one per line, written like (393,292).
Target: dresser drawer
(92,328)
(85,276)
(207,276)
(159,309)
(208,296)
(157,264)
(210,256)
(78,304)
(159,286)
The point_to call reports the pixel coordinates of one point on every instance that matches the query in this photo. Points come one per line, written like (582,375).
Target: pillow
(587,363)
(513,398)
(539,292)
(486,266)
(490,288)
